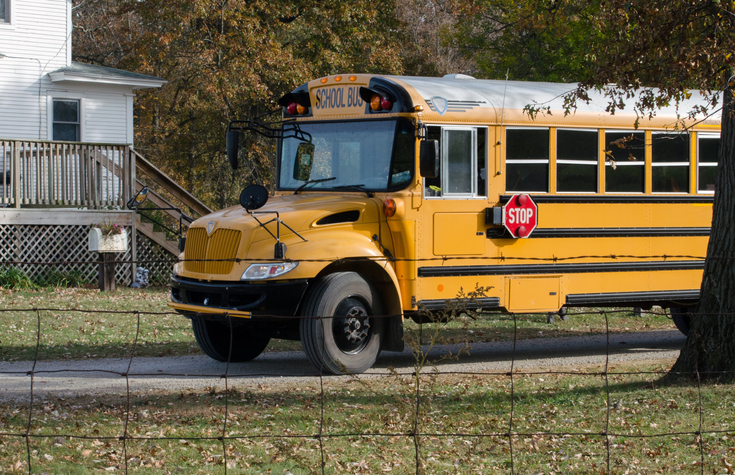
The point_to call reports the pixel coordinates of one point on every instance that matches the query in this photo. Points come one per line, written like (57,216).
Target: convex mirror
(304,161)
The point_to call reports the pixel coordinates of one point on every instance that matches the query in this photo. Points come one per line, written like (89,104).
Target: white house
(44,95)
(66,149)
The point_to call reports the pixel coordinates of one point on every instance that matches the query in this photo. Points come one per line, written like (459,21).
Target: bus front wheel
(682,318)
(339,331)
(214,340)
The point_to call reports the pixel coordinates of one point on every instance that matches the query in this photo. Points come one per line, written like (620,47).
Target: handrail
(41,173)
(170,185)
(56,174)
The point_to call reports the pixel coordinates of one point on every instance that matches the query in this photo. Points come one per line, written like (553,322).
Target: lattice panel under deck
(161,261)
(43,248)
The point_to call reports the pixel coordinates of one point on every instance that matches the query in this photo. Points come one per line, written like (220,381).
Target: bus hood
(301,212)
(307,221)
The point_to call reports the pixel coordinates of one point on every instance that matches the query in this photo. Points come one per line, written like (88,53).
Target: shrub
(14,278)
(57,278)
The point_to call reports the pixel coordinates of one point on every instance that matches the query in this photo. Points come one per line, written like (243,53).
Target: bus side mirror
(429,158)
(233,147)
(304,160)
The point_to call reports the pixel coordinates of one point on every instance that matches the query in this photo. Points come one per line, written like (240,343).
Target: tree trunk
(710,346)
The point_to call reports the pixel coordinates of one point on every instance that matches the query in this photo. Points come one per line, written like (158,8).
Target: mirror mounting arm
(288,129)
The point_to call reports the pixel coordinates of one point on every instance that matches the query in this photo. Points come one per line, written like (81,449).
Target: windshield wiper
(360,187)
(309,182)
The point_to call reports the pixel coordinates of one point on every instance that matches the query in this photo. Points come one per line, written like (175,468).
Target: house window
(4,11)
(527,160)
(625,160)
(66,120)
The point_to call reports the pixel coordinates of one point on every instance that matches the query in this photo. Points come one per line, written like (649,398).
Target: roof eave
(135,83)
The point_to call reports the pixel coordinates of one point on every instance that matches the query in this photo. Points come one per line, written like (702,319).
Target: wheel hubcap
(356,326)
(351,326)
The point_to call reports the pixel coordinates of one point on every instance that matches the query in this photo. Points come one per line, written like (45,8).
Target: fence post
(106,276)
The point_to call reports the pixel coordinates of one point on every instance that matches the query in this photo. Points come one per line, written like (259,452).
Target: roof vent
(457,76)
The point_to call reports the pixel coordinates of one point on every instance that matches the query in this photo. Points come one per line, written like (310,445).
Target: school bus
(395,195)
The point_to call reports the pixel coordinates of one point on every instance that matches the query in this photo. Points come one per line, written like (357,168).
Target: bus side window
(457,158)
(576,160)
(625,160)
(432,186)
(527,160)
(482,162)
(670,163)
(463,162)
(708,146)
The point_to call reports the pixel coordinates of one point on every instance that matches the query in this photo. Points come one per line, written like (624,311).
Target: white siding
(105,118)
(41,29)
(103,111)
(36,42)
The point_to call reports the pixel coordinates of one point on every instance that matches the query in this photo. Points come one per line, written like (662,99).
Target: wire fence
(425,413)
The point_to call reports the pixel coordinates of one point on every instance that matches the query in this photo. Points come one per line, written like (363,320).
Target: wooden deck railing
(65,174)
(45,174)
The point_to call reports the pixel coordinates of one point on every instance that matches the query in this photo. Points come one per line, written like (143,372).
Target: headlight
(179,262)
(268,270)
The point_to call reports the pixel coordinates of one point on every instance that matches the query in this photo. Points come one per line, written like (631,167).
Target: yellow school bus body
(591,248)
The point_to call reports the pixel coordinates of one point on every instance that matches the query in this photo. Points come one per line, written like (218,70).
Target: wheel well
(391,302)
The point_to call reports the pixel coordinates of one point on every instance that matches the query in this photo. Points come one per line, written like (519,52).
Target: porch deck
(52,192)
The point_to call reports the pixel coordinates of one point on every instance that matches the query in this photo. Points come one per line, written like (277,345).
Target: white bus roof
(455,93)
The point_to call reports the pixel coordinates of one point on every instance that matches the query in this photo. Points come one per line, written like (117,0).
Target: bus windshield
(374,155)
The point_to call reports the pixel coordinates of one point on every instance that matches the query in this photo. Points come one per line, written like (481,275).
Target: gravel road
(104,376)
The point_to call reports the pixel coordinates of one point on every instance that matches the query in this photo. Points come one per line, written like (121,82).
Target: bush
(14,278)
(57,278)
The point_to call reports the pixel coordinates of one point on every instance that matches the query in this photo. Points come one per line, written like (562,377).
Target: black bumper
(278,299)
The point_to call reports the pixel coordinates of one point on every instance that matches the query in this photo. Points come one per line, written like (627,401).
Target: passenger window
(463,163)
(708,146)
(669,163)
(625,160)
(576,160)
(527,160)
(459,155)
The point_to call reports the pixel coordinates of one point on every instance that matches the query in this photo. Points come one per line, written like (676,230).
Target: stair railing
(135,204)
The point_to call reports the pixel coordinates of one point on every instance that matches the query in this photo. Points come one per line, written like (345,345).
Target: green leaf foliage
(228,60)
(529,39)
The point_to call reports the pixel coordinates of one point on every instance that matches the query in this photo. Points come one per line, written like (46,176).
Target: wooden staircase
(156,236)
(166,184)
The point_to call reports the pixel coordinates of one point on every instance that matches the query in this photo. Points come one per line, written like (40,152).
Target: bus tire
(214,340)
(682,318)
(346,340)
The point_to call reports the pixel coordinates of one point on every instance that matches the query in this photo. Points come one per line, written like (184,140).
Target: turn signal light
(389,208)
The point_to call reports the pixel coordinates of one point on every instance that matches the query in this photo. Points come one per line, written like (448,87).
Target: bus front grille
(213,254)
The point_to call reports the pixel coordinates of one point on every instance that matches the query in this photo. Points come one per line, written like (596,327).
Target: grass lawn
(75,324)
(452,424)
(554,420)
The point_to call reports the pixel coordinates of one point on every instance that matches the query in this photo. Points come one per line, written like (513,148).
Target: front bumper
(242,299)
